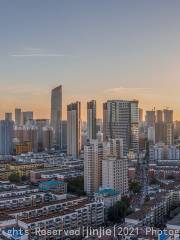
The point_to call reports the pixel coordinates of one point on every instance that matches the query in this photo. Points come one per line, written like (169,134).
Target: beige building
(93,156)
(115,174)
(94,153)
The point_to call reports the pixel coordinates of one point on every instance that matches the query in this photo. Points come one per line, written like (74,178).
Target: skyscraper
(93,156)
(169,126)
(177,129)
(91,119)
(140,115)
(168,116)
(159,116)
(120,120)
(99,125)
(6,137)
(8,116)
(74,129)
(150,118)
(114,147)
(160,132)
(164,127)
(56,114)
(18,116)
(151,135)
(159,127)
(30,134)
(27,116)
(64,135)
(41,123)
(47,137)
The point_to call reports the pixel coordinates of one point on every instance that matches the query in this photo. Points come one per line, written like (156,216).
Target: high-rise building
(168,116)
(150,118)
(120,120)
(74,129)
(47,137)
(41,123)
(8,116)
(160,132)
(115,174)
(164,127)
(151,135)
(169,134)
(93,156)
(159,127)
(159,116)
(94,153)
(99,125)
(84,138)
(91,120)
(141,115)
(99,136)
(177,129)
(19,133)
(56,114)
(27,116)
(114,147)
(64,135)
(169,126)
(6,137)
(18,116)
(30,134)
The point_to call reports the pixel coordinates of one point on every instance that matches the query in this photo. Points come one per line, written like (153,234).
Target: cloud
(22,89)
(120,89)
(38,55)
(35,52)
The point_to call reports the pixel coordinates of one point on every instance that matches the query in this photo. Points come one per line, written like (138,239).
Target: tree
(15,178)
(134,186)
(76,186)
(153,181)
(170,177)
(24,178)
(147,198)
(120,210)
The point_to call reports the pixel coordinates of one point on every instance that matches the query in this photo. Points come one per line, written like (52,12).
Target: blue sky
(96,49)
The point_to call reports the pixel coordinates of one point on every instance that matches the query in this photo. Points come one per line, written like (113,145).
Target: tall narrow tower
(18,116)
(56,114)
(91,119)
(74,129)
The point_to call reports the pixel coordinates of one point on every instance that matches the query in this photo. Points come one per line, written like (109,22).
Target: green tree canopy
(15,178)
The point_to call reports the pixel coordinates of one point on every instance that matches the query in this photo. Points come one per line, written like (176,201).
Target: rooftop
(5,217)
(146,208)
(41,205)
(69,210)
(107,192)
(52,183)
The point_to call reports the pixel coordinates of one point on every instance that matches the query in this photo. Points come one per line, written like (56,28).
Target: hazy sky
(103,49)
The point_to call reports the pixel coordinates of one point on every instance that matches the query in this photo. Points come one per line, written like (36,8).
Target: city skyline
(119,50)
(89,119)
(47,114)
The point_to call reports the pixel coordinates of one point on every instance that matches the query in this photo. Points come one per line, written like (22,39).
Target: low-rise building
(53,185)
(108,196)
(24,147)
(154,211)
(54,173)
(69,213)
